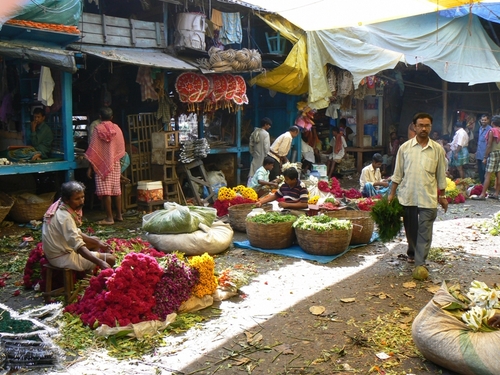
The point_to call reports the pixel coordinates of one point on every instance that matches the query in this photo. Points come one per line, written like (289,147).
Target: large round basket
(24,211)
(270,236)
(331,242)
(362,224)
(6,203)
(238,215)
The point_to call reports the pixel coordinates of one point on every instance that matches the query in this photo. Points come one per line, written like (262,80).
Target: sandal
(477,198)
(104,222)
(493,196)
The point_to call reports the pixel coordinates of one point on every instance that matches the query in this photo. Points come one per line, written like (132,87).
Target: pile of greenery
(387,216)
(272,217)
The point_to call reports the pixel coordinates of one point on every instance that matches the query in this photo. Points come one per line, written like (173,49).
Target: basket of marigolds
(271,230)
(323,235)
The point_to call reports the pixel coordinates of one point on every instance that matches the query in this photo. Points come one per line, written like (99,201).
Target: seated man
(293,190)
(260,180)
(370,180)
(41,140)
(64,244)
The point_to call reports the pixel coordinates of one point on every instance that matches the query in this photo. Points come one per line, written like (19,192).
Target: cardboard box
(149,190)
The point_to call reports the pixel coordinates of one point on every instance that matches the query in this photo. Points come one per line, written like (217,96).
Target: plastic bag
(211,240)
(174,219)
(149,327)
(216,180)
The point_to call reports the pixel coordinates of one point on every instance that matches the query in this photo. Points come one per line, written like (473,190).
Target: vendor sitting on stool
(370,180)
(260,180)
(293,191)
(64,244)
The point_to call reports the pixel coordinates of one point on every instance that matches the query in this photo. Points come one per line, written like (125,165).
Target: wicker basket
(238,215)
(362,224)
(6,203)
(270,236)
(331,242)
(24,211)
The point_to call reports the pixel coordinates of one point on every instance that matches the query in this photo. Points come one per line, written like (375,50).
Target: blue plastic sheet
(295,251)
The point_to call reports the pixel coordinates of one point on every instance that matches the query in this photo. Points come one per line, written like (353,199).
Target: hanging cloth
(216,19)
(231,31)
(46,87)
(144,79)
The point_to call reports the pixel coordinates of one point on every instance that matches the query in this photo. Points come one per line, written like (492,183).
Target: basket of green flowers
(323,235)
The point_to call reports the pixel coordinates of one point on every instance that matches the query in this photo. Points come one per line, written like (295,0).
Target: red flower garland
(122,296)
(335,188)
(34,272)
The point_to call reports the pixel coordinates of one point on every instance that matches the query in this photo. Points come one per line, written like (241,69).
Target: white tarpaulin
(458,50)
(329,14)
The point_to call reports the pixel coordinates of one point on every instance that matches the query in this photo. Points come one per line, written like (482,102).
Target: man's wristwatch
(442,196)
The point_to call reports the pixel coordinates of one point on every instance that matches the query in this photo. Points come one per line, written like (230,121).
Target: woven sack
(362,224)
(270,236)
(6,203)
(448,342)
(331,242)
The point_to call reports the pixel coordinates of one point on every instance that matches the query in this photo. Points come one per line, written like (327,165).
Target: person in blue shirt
(482,142)
(260,180)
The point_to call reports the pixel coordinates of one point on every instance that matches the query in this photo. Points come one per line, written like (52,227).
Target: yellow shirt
(419,173)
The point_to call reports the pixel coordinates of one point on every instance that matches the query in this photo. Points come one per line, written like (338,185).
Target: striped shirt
(419,173)
(298,193)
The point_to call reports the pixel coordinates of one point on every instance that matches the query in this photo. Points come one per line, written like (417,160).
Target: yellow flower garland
(226,193)
(205,265)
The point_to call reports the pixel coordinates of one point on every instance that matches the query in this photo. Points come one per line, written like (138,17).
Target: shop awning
(50,57)
(135,56)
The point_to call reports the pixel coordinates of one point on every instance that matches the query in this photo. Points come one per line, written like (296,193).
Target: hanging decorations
(218,91)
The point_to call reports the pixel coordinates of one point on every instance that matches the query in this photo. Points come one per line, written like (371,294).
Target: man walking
(482,142)
(420,174)
(106,148)
(259,145)
(280,149)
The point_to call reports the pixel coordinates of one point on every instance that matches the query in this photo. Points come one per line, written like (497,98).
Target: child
(293,190)
(260,180)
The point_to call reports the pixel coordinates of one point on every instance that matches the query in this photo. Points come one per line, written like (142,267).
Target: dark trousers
(276,171)
(481,170)
(418,223)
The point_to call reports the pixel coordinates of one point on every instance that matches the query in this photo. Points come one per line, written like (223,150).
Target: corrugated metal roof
(244,4)
(135,56)
(50,57)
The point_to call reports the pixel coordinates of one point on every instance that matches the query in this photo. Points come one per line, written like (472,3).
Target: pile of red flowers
(222,207)
(477,190)
(366,204)
(121,296)
(34,272)
(334,187)
(458,199)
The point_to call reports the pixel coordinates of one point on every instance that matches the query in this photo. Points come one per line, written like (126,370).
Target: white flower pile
(483,302)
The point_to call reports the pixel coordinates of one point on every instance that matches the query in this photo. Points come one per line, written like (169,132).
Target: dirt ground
(368,295)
